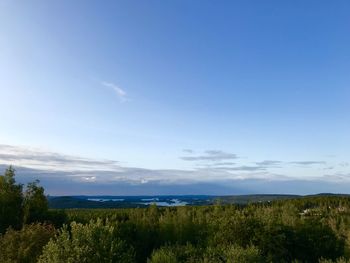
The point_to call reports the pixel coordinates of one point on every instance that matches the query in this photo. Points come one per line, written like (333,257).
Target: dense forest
(311,229)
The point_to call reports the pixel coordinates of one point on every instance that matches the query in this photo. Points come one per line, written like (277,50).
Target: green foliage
(35,203)
(314,240)
(163,256)
(232,254)
(24,246)
(339,260)
(11,199)
(29,207)
(191,254)
(277,232)
(56,217)
(186,253)
(93,242)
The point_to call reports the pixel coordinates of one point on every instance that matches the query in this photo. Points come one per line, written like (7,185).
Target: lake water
(144,201)
(105,199)
(173,202)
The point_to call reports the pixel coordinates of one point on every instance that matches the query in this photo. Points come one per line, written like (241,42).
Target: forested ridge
(310,229)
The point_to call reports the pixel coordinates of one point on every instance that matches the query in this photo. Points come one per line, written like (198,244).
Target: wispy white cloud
(39,159)
(268,163)
(306,163)
(189,151)
(118,90)
(210,155)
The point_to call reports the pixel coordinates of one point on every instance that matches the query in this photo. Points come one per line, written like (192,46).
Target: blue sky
(175,92)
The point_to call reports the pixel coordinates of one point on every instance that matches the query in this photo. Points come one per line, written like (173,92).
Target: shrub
(191,254)
(232,254)
(93,242)
(25,245)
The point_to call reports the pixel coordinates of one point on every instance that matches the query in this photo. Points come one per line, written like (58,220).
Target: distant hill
(66,202)
(61,202)
(245,199)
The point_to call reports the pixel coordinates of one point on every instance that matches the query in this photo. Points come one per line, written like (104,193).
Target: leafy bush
(163,255)
(93,242)
(339,260)
(233,254)
(314,241)
(24,246)
(176,253)
(191,254)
